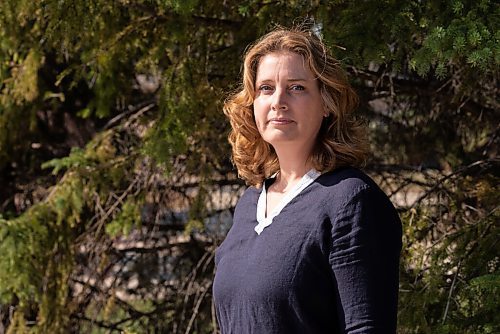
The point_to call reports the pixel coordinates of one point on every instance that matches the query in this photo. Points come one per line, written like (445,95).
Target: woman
(315,244)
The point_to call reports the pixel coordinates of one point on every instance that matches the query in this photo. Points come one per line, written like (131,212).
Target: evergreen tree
(116,179)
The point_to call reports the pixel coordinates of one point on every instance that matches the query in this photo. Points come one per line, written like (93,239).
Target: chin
(277,135)
(279,140)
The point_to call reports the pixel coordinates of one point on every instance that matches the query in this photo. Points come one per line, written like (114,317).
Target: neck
(293,166)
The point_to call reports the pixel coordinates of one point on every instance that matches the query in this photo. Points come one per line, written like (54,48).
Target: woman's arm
(364,257)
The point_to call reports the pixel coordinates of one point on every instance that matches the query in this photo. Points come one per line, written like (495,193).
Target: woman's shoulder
(352,192)
(349,184)
(248,198)
(347,179)
(250,193)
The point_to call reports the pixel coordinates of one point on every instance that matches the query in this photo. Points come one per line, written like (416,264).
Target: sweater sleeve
(364,256)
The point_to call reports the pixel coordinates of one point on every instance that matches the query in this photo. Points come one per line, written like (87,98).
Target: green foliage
(477,305)
(18,90)
(126,220)
(75,159)
(40,244)
(463,39)
(159,147)
(39,259)
(452,254)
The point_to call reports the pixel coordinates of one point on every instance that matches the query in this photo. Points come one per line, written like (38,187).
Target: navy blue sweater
(327,264)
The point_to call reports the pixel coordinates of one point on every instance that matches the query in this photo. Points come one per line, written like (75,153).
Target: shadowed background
(115,173)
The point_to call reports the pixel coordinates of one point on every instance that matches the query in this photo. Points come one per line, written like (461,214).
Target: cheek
(259,112)
(315,122)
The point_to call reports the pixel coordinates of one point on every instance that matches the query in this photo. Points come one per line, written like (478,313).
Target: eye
(265,87)
(297,87)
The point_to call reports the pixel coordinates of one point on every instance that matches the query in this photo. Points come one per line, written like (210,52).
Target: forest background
(115,173)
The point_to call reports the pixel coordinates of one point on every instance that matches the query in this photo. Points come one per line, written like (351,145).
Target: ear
(326,113)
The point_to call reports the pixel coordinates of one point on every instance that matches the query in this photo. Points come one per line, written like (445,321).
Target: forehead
(284,65)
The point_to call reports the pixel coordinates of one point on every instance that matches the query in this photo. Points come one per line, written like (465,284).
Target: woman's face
(288,108)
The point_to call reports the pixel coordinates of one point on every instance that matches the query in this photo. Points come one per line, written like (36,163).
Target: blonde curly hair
(341,140)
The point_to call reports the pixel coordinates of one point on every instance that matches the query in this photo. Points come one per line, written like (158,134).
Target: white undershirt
(264,221)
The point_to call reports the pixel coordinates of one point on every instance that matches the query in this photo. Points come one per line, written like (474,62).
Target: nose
(279,101)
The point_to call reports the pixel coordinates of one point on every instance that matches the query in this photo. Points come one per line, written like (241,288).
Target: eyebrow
(289,80)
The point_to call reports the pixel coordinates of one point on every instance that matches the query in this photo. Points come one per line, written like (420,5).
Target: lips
(280,121)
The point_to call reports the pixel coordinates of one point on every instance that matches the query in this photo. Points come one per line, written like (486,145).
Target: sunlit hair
(341,140)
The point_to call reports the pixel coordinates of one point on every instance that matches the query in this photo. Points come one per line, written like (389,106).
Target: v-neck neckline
(264,221)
